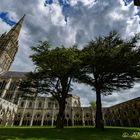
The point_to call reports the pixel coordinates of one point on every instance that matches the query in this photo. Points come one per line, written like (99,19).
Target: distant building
(42,111)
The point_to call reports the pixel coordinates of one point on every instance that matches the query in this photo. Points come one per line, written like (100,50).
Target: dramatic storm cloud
(70,22)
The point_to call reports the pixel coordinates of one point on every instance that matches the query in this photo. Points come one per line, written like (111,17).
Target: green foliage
(111,62)
(107,63)
(55,69)
(93,104)
(30,86)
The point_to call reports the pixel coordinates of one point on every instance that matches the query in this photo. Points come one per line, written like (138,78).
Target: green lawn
(69,133)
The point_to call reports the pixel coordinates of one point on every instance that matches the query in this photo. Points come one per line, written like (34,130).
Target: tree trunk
(99,118)
(60,116)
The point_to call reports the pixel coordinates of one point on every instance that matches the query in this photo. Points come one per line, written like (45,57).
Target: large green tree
(55,70)
(110,63)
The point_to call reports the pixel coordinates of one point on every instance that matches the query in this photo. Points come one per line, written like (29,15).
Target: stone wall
(124,114)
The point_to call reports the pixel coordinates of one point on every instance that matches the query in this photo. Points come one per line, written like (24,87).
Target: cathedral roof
(14,74)
(126,102)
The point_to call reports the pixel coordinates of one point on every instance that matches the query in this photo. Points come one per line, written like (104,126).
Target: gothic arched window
(40,104)
(30,104)
(22,104)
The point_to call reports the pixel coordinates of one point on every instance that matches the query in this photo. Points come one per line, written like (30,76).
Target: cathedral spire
(14,32)
(9,46)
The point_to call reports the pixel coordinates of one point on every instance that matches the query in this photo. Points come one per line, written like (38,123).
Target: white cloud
(22,61)
(4,27)
(121,96)
(85,2)
(87,19)
(57,18)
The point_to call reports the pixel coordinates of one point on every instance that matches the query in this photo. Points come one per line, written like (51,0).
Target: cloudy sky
(70,22)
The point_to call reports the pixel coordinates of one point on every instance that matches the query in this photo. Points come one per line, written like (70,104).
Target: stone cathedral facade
(42,111)
(16,110)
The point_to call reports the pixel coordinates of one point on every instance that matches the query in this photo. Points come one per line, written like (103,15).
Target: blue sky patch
(65,4)
(48,2)
(138,13)
(127,2)
(5,17)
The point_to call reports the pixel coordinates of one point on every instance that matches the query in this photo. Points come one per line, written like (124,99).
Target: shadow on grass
(70,133)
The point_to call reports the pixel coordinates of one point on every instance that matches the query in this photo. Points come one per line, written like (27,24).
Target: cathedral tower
(9,46)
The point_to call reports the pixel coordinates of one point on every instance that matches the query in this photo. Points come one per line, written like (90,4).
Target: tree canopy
(107,63)
(110,63)
(93,104)
(55,69)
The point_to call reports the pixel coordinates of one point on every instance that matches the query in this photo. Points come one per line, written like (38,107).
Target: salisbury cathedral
(42,111)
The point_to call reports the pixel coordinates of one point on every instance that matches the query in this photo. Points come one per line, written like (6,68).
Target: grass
(68,133)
